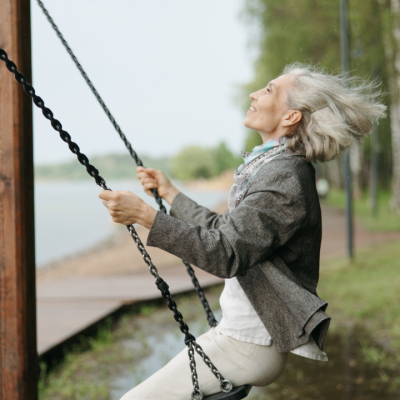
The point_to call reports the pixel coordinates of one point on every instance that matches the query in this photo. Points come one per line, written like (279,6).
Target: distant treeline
(191,162)
(112,166)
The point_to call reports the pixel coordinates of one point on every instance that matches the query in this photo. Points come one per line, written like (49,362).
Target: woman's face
(267,111)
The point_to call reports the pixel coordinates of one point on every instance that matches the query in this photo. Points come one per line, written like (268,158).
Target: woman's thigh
(240,362)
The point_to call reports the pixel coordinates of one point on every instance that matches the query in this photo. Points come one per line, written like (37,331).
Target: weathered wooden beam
(18,355)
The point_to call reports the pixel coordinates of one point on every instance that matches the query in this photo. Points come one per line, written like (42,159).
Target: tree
(309,31)
(194,162)
(225,159)
(391,16)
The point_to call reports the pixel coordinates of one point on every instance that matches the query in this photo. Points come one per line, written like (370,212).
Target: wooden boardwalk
(69,305)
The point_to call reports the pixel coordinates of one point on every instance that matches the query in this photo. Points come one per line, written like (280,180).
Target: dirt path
(334,240)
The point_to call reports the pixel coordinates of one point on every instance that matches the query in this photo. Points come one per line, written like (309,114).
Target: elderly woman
(267,245)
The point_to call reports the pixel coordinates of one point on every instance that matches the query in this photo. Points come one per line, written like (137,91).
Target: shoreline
(222,182)
(116,255)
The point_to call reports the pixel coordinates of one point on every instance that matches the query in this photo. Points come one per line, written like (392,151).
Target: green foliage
(194,162)
(225,159)
(147,309)
(309,31)
(386,220)
(253,139)
(112,166)
(65,381)
(365,290)
(294,31)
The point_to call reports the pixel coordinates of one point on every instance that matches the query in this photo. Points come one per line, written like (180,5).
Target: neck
(265,136)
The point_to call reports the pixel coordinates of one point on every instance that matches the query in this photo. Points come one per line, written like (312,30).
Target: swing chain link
(98,97)
(226,386)
(65,136)
(190,340)
(210,316)
(197,393)
(143,252)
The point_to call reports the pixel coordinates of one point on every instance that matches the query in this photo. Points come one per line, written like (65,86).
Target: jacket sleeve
(270,213)
(189,211)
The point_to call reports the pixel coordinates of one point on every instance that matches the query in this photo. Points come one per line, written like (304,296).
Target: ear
(292,117)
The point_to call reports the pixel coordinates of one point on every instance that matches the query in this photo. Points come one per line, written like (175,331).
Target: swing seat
(237,393)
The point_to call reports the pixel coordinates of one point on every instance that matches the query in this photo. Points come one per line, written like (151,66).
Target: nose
(255,95)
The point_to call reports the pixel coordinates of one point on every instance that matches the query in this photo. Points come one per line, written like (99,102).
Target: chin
(250,126)
(247,123)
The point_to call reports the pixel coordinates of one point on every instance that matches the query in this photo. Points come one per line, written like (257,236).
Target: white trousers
(240,362)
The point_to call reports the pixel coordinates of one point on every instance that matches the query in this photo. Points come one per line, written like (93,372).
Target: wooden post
(18,354)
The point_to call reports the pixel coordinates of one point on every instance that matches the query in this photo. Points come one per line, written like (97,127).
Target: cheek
(265,111)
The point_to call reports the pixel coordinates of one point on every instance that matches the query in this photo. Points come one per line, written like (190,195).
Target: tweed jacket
(270,242)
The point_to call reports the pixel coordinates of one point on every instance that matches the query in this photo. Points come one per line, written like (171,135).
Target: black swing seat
(237,393)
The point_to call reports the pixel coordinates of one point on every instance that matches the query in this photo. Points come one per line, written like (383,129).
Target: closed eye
(269,86)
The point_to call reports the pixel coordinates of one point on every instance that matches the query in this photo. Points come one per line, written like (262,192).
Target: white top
(240,320)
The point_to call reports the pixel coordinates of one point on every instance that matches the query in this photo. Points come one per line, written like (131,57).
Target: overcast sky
(167,69)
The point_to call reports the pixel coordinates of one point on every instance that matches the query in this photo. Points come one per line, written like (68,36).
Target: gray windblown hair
(338,111)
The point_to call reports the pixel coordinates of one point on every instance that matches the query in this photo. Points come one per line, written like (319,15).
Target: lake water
(69,216)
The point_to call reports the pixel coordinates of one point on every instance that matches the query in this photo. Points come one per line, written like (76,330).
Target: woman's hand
(127,208)
(155,179)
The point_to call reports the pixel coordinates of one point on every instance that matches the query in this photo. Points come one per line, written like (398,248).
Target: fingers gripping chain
(190,340)
(210,316)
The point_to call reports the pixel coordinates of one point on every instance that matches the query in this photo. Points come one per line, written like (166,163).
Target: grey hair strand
(346,105)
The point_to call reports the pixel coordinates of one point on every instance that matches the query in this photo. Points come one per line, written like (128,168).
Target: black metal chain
(162,286)
(210,316)
(197,393)
(89,82)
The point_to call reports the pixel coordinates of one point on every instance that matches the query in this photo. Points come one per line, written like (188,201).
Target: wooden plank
(69,305)
(59,320)
(18,354)
(127,288)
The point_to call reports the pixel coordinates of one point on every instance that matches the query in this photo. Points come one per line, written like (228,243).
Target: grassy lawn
(366,291)
(84,373)
(386,220)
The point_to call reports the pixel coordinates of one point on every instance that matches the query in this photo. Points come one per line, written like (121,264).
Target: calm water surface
(69,216)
